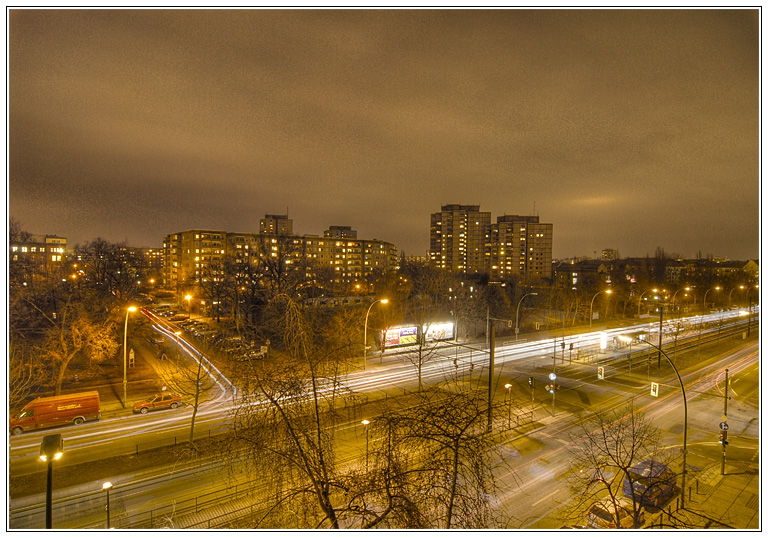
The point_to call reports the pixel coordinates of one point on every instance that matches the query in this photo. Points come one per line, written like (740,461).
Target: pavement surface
(729,500)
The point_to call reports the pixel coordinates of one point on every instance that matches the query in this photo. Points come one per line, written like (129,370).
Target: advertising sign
(403,336)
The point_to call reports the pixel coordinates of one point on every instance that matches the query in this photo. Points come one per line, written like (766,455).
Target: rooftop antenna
(534,208)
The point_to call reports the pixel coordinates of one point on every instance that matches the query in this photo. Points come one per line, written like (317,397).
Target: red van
(57,411)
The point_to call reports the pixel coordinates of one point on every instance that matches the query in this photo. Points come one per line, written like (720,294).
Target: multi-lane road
(534,461)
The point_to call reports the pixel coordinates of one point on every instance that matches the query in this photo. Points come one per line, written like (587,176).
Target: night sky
(626,129)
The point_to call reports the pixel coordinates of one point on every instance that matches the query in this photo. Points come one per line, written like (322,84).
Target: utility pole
(725,419)
(490,378)
(661,331)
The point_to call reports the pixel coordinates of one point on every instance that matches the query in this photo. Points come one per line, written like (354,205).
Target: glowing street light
(51,449)
(365,332)
(106,487)
(591,304)
(125,356)
(716,288)
(188,298)
(517,315)
(365,423)
(508,386)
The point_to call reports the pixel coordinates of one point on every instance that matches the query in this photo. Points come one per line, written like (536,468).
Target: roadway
(537,456)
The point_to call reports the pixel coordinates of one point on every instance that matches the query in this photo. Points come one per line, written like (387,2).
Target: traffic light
(655,390)
(723,438)
(530,382)
(600,372)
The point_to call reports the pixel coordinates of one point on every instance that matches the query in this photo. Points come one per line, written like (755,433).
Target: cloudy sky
(627,129)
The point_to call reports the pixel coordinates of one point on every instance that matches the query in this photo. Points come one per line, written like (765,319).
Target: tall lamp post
(52,448)
(188,298)
(517,315)
(716,288)
(687,288)
(731,294)
(365,423)
(592,303)
(685,423)
(125,356)
(106,487)
(365,332)
(640,302)
(508,386)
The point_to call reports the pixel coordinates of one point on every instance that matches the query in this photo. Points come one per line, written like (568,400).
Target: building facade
(463,240)
(521,246)
(276,225)
(41,251)
(458,239)
(195,255)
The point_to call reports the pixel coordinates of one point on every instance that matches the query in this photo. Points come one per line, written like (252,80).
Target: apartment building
(522,246)
(43,251)
(276,225)
(463,240)
(459,235)
(194,255)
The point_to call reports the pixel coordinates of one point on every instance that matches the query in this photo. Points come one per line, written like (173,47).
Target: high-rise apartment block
(521,245)
(276,225)
(458,238)
(463,240)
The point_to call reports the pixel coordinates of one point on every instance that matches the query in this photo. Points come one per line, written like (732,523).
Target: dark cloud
(627,129)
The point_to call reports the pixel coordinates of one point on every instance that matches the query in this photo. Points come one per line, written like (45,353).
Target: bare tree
(603,450)
(192,379)
(286,416)
(24,374)
(434,463)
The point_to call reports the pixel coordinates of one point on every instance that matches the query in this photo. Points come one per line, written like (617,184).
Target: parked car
(653,483)
(603,514)
(165,400)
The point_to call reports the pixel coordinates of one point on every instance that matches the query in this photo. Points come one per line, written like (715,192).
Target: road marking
(544,499)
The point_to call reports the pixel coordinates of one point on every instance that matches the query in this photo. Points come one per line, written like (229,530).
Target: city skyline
(625,129)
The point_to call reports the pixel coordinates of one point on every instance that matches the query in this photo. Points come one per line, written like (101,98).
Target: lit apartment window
(14,249)
(23,249)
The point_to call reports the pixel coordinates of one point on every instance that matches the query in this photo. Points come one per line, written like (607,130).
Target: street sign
(552,376)
(724,426)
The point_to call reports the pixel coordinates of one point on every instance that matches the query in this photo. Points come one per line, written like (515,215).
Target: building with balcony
(521,246)
(458,239)
(193,256)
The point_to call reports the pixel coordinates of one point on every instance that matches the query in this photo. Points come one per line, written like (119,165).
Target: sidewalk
(715,501)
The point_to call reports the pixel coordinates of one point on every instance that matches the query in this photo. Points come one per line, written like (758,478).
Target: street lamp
(731,294)
(591,304)
(508,386)
(188,298)
(640,301)
(365,423)
(517,315)
(125,356)
(106,487)
(52,448)
(365,332)
(716,288)
(675,294)
(685,424)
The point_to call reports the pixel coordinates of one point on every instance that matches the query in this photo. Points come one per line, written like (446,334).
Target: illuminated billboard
(403,336)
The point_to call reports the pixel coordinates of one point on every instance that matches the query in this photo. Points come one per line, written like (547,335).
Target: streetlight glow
(365,331)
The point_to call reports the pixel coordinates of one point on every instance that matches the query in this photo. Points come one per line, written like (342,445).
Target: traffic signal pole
(724,434)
